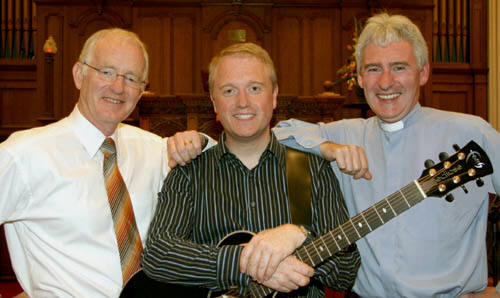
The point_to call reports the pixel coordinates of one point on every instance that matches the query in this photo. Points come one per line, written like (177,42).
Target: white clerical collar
(390,127)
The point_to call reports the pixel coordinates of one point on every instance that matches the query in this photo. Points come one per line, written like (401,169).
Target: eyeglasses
(110,75)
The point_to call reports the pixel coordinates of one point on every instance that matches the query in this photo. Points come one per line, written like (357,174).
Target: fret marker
(321,248)
(340,237)
(360,225)
(384,210)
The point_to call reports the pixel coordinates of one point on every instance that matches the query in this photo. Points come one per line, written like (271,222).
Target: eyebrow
(391,64)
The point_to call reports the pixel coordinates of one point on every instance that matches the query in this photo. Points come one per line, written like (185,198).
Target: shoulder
(319,166)
(455,118)
(37,138)
(133,132)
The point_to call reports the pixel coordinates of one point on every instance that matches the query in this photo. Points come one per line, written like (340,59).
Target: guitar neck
(360,225)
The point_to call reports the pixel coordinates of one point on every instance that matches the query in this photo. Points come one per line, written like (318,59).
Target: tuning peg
(429,163)
(449,198)
(456,147)
(465,189)
(443,156)
(479,182)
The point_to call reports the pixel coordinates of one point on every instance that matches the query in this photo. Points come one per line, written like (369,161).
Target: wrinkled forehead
(119,53)
(397,51)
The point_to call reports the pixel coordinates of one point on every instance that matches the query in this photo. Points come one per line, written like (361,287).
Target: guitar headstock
(468,163)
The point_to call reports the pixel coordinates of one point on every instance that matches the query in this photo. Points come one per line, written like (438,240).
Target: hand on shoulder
(184,147)
(351,159)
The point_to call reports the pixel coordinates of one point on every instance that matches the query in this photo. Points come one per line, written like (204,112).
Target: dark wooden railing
(18,29)
(451,31)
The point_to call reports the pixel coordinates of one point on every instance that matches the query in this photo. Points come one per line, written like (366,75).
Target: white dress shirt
(54,205)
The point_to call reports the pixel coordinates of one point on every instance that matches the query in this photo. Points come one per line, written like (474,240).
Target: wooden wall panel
(452,97)
(290,76)
(20,104)
(158,45)
(322,44)
(183,71)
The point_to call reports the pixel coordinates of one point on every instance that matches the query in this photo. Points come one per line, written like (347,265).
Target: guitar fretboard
(360,225)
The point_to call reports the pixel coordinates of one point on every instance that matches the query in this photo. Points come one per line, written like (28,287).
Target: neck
(106,128)
(249,151)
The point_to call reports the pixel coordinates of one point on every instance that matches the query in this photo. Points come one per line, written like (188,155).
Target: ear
(424,74)
(360,80)
(213,103)
(78,75)
(275,96)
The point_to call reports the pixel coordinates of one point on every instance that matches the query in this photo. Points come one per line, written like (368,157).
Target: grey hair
(249,49)
(383,29)
(87,53)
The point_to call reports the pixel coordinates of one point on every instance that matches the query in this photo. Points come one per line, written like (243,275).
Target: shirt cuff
(228,268)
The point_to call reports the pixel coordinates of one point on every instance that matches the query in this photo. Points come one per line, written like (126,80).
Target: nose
(385,80)
(118,84)
(242,99)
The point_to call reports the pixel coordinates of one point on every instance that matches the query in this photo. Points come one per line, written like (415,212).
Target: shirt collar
(90,137)
(273,149)
(407,120)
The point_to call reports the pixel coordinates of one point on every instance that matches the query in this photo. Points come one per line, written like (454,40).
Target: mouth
(115,101)
(389,96)
(243,116)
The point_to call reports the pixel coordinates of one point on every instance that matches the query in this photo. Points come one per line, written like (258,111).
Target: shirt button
(252,204)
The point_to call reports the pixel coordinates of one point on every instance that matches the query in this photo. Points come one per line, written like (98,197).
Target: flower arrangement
(348,71)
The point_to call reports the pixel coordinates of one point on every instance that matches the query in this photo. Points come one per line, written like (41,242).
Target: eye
(108,72)
(132,79)
(255,89)
(399,67)
(372,69)
(229,91)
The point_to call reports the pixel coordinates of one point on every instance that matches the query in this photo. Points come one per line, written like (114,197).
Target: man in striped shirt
(241,184)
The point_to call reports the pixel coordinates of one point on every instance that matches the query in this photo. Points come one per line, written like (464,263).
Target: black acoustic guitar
(467,164)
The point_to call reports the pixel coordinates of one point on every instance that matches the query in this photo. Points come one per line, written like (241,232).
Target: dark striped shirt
(216,194)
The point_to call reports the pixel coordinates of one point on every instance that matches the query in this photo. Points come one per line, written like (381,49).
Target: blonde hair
(87,53)
(383,29)
(249,49)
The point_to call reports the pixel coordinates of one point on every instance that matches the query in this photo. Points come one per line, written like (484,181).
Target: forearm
(300,135)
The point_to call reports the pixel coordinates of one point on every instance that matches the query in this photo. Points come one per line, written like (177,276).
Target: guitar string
(400,201)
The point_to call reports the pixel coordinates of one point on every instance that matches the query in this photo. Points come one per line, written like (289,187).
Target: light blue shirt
(435,249)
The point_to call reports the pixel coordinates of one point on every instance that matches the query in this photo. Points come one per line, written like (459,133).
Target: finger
(173,154)
(172,163)
(253,263)
(359,165)
(245,253)
(182,150)
(262,268)
(341,162)
(363,171)
(272,265)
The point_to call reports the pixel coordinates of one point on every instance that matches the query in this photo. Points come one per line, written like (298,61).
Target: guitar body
(142,286)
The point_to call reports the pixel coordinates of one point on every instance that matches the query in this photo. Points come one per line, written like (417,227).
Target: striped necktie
(127,235)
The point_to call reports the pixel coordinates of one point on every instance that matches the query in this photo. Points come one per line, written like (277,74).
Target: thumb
(172,163)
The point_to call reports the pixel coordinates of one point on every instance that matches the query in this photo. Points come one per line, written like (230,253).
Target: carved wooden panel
(166,115)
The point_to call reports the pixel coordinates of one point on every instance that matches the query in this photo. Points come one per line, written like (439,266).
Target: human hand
(489,292)
(184,147)
(351,159)
(262,255)
(290,275)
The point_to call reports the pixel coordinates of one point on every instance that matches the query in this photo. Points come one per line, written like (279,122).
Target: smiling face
(391,79)
(103,103)
(244,99)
